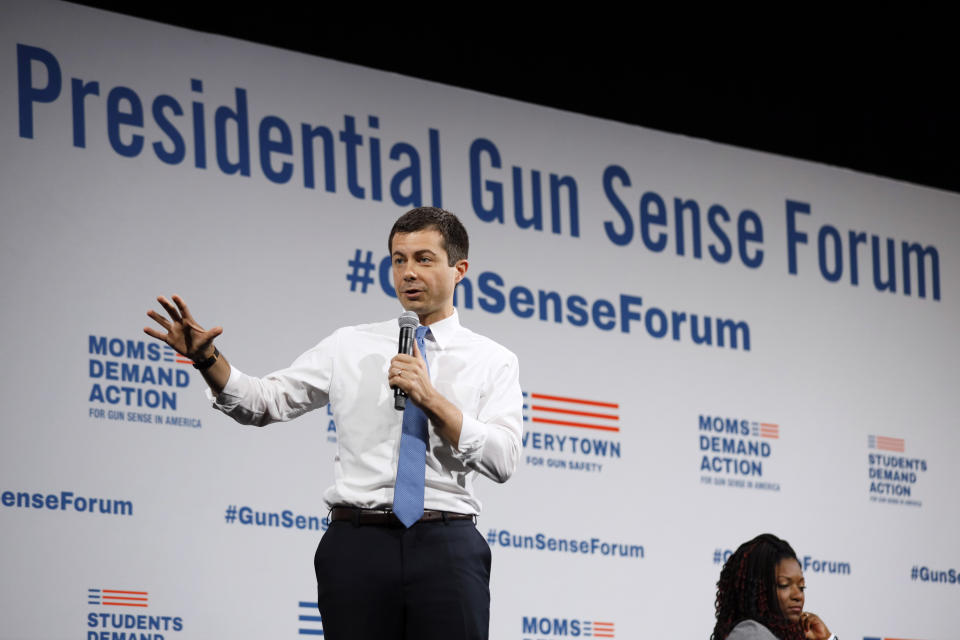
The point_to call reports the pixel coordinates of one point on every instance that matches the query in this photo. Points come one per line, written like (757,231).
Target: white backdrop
(733,395)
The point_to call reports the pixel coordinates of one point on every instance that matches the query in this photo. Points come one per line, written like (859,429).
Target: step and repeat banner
(714,343)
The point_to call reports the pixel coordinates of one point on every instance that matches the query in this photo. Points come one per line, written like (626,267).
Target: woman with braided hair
(760,595)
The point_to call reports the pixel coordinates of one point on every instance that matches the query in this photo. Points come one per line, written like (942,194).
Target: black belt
(386,517)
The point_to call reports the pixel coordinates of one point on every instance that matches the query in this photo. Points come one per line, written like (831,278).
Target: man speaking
(401,558)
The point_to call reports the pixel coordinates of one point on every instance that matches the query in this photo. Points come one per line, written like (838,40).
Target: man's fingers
(201,333)
(182,306)
(169,308)
(407,362)
(153,333)
(202,338)
(409,373)
(163,322)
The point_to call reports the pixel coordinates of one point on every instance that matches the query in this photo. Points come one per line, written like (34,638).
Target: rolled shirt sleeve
(281,395)
(490,442)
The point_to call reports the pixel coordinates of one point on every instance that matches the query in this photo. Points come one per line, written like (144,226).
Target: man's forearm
(217,374)
(445,416)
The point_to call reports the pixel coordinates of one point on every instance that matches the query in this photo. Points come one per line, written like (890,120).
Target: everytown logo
(572,434)
(735,450)
(134,381)
(119,615)
(893,478)
(537,628)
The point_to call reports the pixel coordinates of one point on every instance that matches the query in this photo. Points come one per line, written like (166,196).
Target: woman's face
(790,586)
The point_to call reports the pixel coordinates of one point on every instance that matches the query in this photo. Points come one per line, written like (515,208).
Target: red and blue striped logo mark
(117,598)
(566,627)
(765,430)
(541,408)
(309,624)
(598,629)
(169,355)
(886,444)
(879,638)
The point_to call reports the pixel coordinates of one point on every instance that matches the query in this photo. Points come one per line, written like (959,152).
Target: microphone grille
(408,319)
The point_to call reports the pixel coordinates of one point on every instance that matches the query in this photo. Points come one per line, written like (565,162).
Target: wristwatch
(203,365)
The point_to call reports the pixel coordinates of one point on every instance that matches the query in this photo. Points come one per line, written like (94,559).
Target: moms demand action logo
(570,434)
(736,452)
(130,380)
(537,628)
(125,618)
(893,478)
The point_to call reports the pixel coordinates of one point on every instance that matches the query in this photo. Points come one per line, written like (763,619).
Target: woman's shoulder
(750,630)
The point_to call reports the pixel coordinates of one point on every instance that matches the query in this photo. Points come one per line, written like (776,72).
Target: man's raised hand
(181,331)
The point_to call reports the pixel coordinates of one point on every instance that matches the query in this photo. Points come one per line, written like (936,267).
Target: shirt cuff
(231,394)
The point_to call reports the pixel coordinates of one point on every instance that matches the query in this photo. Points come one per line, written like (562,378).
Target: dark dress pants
(430,581)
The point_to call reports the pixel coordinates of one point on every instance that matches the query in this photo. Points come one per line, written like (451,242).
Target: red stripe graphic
(603,630)
(573,412)
(540,396)
(123,598)
(890,444)
(582,425)
(588,414)
(769,430)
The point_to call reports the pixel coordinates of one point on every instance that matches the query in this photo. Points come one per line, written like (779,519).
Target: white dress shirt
(349,370)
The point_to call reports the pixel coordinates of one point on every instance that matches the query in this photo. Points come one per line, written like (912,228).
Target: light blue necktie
(412,461)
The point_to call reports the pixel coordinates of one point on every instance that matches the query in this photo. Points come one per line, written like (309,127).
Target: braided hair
(747,589)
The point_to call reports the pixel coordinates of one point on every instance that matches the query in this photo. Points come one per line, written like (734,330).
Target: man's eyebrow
(416,252)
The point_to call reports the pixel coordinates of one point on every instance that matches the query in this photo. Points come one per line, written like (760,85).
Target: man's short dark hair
(455,240)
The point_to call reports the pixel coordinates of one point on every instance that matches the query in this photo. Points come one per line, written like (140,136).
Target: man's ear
(461,267)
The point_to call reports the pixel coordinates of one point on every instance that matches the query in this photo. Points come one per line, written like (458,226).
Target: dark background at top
(871,93)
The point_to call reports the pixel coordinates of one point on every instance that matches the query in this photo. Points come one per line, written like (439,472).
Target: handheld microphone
(408,322)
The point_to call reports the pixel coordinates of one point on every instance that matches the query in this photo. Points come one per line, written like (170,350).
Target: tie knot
(422,332)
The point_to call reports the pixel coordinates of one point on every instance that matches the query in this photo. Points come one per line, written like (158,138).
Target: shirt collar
(444,330)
